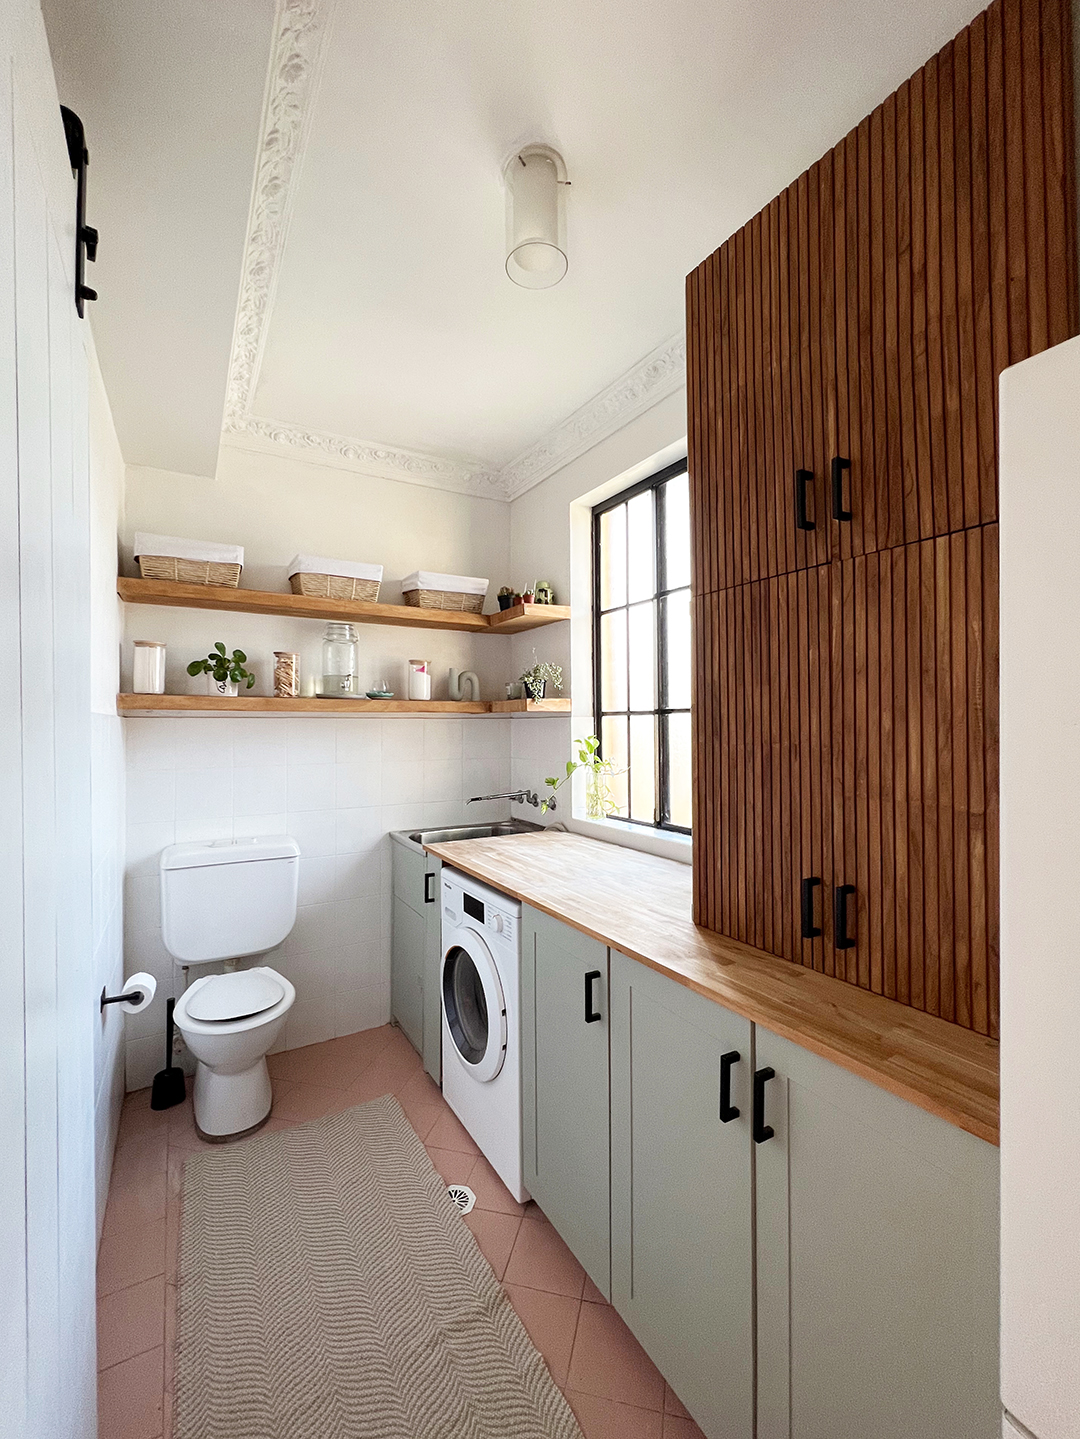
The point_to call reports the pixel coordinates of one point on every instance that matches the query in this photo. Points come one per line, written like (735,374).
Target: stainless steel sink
(474,831)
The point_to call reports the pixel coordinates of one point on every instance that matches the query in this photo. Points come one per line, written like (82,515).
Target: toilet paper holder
(133,996)
(137,994)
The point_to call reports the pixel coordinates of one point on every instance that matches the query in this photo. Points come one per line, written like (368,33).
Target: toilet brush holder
(169,1087)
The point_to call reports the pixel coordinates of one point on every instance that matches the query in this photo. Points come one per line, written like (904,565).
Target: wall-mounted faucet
(515,796)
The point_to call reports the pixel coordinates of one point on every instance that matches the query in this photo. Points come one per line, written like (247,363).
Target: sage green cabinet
(416,953)
(877,1262)
(565,1090)
(682,1242)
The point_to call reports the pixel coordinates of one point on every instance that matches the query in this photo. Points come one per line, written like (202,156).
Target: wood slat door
(917,648)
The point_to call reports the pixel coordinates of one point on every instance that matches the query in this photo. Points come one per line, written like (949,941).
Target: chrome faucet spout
(515,796)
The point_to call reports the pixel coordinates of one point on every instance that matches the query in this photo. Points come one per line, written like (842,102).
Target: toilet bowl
(224,901)
(233,1095)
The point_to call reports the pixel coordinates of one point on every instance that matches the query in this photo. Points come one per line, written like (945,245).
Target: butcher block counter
(641,905)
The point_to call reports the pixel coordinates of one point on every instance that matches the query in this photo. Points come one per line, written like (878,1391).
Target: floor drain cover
(461,1196)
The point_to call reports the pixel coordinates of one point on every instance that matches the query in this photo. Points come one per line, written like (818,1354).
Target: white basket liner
(457,584)
(320,565)
(176,549)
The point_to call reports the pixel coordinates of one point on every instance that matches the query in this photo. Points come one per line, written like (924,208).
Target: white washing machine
(480,981)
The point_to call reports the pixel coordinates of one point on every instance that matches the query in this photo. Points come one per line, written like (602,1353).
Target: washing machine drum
(473,1004)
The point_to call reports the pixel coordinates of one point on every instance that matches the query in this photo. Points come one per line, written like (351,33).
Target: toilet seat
(244,994)
(186,1022)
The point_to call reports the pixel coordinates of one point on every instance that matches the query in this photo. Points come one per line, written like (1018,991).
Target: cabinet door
(407,971)
(681,1198)
(877,1262)
(764,774)
(565,1091)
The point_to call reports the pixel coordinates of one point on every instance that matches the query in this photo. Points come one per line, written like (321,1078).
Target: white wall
(550,538)
(339,786)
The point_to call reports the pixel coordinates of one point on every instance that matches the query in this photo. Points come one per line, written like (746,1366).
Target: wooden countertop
(641,905)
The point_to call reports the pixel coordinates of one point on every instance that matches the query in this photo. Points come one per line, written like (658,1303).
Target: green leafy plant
(223,667)
(534,679)
(599,800)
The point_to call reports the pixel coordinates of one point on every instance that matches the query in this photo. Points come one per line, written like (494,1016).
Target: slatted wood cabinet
(843,355)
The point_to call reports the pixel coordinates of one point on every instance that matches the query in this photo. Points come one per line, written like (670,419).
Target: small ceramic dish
(380,694)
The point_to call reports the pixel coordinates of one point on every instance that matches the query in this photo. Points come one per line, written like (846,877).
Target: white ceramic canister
(148,669)
(419,680)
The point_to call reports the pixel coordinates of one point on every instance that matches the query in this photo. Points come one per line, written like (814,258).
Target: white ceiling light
(535,217)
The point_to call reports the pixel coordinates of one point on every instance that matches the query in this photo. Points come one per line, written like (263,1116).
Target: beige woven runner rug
(330,1290)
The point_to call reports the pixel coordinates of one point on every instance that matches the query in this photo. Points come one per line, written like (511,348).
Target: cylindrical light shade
(536,254)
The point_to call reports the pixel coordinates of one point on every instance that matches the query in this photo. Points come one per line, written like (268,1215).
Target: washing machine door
(474,1010)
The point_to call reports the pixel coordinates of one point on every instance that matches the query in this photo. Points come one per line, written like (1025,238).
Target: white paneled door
(47,1007)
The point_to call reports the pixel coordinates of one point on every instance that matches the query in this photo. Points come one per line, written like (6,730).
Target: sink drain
(462,1197)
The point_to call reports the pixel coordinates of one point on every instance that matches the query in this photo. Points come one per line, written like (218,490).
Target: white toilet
(229,900)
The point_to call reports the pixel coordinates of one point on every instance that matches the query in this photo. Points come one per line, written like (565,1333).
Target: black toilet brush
(169,1087)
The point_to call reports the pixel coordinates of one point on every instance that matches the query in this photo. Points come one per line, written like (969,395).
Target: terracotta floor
(615,1390)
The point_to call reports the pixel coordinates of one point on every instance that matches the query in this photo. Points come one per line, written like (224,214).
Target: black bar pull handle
(839,465)
(841,938)
(429,895)
(592,1015)
(809,929)
(728,1111)
(762,1131)
(802,479)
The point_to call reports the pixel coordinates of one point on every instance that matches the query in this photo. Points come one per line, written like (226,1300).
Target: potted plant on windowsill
(224,673)
(599,802)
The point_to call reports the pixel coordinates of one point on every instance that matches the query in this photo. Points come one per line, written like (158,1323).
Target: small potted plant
(224,674)
(506,597)
(537,679)
(599,802)
(528,597)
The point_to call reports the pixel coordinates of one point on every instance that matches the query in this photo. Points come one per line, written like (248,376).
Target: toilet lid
(241,995)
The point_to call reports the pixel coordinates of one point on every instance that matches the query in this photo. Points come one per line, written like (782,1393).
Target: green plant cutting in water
(599,802)
(222,667)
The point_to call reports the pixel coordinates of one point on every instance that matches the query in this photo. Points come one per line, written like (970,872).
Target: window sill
(660,842)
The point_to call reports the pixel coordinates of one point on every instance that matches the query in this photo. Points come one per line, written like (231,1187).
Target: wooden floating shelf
(305,607)
(150,705)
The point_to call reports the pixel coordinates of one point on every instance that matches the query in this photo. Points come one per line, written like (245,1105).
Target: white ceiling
(390,320)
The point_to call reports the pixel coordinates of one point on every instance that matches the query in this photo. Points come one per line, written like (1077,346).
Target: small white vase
(227,688)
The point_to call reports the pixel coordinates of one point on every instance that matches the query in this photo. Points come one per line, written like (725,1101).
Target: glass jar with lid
(339,666)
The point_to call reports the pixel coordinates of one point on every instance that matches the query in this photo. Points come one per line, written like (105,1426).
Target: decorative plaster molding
(300,29)
(659,374)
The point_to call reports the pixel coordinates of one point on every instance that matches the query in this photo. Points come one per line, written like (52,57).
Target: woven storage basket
(334,587)
(189,572)
(444,600)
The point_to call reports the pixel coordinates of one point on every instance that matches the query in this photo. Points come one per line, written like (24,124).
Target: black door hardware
(728,1111)
(762,1131)
(802,479)
(429,897)
(838,467)
(809,929)
(86,237)
(841,938)
(592,1016)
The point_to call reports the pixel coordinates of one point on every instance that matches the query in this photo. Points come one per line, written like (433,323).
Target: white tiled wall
(339,786)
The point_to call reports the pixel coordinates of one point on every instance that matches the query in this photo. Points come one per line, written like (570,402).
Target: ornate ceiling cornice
(300,33)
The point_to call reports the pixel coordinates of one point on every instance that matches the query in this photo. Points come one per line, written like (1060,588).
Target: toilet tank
(225,899)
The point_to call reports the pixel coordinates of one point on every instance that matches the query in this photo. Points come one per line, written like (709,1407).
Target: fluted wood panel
(852,737)
(868,311)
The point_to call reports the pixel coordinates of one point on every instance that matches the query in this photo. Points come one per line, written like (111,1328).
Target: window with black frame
(641,648)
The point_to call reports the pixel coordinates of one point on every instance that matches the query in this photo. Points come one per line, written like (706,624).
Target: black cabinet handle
(762,1131)
(838,467)
(841,938)
(809,929)
(429,897)
(592,1016)
(728,1111)
(802,479)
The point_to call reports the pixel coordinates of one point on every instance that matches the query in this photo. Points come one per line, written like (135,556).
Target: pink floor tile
(170,1338)
(541,1260)
(422,1103)
(592,1295)
(454,1167)
(551,1321)
(296,1103)
(495,1234)
(491,1192)
(390,1072)
(609,1362)
(676,1428)
(449,1133)
(607,1419)
(337,1063)
(131,1321)
(130,1398)
(131,1256)
(672,1404)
